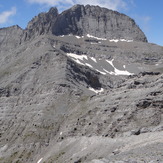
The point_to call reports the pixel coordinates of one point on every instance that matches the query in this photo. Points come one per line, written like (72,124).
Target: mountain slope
(88,98)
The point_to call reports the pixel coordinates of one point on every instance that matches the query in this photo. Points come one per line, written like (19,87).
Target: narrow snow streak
(90,36)
(94,59)
(108,71)
(78,37)
(95,90)
(88,65)
(39,160)
(75,56)
(101,72)
(114,40)
(123,40)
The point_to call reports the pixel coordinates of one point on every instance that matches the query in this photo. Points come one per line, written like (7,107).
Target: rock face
(100,22)
(41,24)
(71,99)
(10,37)
(82,20)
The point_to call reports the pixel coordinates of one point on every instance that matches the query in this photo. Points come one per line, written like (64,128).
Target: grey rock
(10,37)
(99,22)
(82,20)
(57,108)
(41,24)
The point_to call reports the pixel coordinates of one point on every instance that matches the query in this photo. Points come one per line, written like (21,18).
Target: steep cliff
(82,20)
(41,24)
(10,37)
(99,22)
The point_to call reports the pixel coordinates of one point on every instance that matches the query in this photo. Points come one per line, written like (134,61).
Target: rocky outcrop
(10,37)
(97,21)
(41,24)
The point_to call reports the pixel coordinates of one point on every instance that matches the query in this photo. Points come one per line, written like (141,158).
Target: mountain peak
(53,10)
(97,21)
(82,20)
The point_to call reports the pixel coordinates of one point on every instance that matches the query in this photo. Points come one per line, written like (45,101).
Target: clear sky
(147,13)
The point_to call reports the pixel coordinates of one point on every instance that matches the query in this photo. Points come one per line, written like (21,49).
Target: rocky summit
(81,86)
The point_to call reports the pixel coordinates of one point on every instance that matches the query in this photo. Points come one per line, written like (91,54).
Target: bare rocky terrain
(81,93)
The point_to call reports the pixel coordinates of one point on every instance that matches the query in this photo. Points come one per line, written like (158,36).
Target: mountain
(80,86)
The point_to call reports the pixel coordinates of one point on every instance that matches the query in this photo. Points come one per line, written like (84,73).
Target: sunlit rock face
(99,22)
(81,20)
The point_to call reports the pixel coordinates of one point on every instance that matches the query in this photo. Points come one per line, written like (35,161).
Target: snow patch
(78,37)
(78,61)
(39,160)
(101,72)
(126,40)
(94,43)
(88,65)
(94,59)
(111,73)
(62,35)
(114,40)
(123,40)
(96,90)
(75,56)
(116,71)
(129,40)
(120,72)
(90,36)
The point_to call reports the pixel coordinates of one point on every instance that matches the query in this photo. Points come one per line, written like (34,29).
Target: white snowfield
(94,64)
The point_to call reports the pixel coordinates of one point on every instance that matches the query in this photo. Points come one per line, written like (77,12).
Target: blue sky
(147,13)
